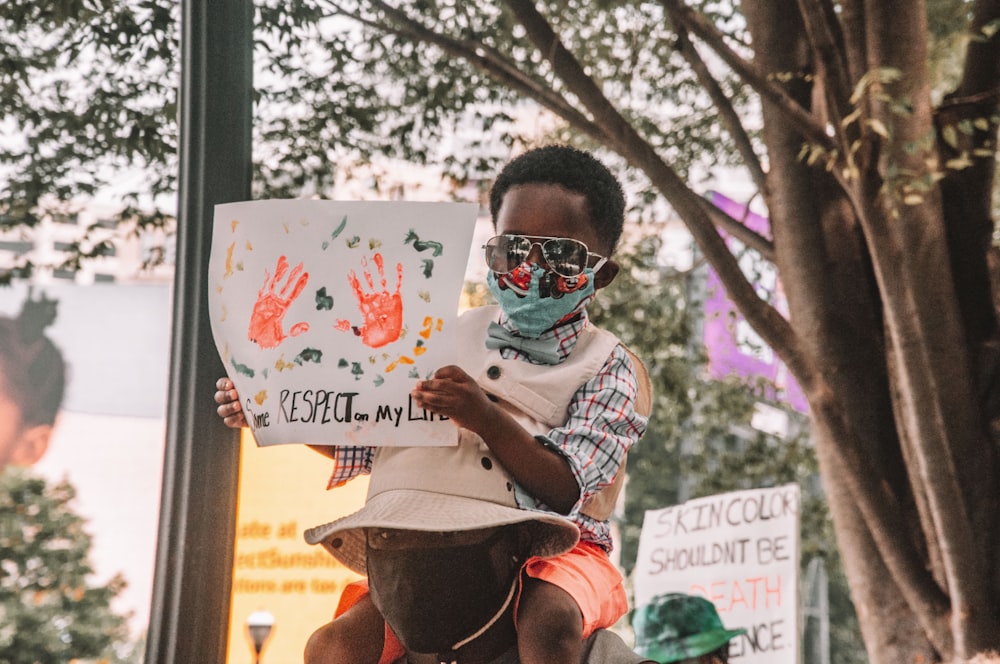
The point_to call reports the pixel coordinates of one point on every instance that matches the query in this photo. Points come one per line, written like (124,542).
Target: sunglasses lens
(565,256)
(506,252)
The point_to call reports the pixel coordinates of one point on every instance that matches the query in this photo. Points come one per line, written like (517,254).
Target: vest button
(487,463)
(492,397)
(493,372)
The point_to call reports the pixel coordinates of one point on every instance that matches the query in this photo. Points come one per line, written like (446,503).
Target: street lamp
(259,624)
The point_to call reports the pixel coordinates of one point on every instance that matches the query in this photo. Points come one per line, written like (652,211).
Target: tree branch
(812,130)
(852,17)
(484,58)
(565,66)
(830,62)
(981,74)
(727,113)
(738,229)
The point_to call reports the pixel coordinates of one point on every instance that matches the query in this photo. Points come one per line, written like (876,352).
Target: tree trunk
(888,345)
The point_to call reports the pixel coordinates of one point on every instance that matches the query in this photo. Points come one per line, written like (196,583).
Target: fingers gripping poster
(325,314)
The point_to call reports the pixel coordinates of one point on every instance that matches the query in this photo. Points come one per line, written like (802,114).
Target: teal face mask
(535,299)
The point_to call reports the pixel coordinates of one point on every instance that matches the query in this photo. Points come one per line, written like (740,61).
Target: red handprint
(266,320)
(382,311)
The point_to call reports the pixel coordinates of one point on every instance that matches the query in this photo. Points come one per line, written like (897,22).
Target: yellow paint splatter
(260,397)
(430,326)
(229,261)
(233,224)
(249,246)
(281,365)
(284,225)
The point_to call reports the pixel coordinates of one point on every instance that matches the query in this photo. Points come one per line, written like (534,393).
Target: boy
(553,398)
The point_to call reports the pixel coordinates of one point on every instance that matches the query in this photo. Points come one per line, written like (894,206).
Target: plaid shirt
(601,427)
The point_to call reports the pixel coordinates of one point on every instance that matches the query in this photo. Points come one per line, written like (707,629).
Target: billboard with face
(83,375)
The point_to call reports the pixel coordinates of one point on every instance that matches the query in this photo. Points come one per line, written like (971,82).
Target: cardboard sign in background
(325,313)
(741,551)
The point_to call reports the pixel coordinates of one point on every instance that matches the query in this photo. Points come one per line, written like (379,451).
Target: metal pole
(816,613)
(191,588)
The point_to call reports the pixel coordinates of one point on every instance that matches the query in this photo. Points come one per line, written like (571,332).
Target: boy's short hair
(575,170)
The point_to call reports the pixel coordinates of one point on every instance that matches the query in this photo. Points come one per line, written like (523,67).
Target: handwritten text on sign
(325,313)
(741,551)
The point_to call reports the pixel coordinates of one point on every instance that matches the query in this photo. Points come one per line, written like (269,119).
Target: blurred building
(123,254)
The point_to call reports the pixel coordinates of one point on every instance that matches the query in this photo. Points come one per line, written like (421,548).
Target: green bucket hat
(674,626)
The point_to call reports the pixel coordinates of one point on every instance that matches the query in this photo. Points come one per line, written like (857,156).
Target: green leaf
(878,127)
(949,135)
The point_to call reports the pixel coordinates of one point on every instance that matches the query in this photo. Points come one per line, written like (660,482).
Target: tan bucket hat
(440,489)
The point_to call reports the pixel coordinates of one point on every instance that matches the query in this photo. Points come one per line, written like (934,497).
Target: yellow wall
(283,492)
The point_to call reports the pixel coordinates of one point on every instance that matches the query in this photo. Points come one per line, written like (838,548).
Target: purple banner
(732,346)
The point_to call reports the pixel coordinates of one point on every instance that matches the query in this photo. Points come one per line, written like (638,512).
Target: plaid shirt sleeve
(349,461)
(602,426)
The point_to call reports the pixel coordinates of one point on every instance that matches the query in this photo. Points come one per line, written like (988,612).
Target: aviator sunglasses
(564,256)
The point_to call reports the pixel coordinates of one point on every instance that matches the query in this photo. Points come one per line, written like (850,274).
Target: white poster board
(740,550)
(325,314)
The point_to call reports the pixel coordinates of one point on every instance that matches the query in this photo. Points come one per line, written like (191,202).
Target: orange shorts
(585,572)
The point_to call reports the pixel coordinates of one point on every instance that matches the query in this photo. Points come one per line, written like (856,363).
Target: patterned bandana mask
(536,299)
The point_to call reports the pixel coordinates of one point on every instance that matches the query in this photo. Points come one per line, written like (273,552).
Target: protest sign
(325,314)
(740,550)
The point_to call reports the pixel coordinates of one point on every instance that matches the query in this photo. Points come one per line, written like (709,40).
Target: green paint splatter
(414,373)
(242,368)
(324,302)
(423,245)
(353,242)
(309,355)
(428,264)
(337,231)
(378,380)
(357,371)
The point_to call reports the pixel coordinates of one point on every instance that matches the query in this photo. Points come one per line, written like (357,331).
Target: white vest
(538,395)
